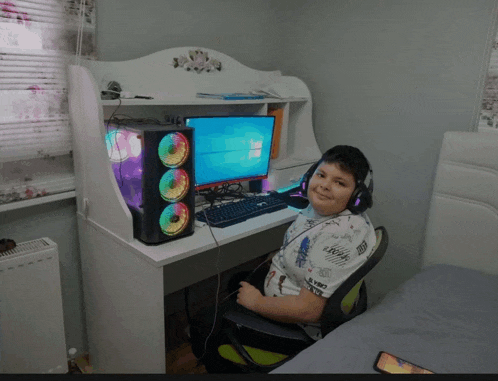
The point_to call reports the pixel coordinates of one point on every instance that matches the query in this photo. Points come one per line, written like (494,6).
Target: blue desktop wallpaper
(231,148)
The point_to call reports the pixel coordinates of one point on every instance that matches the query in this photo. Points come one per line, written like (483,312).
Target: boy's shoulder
(343,221)
(346,221)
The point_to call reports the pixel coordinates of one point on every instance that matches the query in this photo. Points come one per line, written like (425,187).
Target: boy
(324,245)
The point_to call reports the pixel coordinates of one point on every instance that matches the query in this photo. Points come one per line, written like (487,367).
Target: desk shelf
(172,101)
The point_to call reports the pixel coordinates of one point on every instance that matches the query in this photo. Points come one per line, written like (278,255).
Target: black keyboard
(221,216)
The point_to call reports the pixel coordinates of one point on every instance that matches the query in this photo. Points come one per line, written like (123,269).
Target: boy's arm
(303,308)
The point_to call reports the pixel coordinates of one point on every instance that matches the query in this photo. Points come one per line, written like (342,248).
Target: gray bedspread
(444,319)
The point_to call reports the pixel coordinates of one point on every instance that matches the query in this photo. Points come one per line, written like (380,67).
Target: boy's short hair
(349,159)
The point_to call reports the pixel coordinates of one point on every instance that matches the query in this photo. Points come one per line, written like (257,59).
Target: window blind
(489,107)
(38,39)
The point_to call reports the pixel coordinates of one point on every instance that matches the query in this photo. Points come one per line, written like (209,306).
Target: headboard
(462,227)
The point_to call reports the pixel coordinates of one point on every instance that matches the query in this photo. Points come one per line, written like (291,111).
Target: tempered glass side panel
(125,151)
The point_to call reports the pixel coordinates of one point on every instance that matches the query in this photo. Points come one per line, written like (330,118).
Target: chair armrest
(261,324)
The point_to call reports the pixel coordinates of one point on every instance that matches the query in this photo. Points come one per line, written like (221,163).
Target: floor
(179,356)
(179,360)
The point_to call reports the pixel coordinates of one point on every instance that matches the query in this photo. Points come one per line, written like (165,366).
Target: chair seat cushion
(228,352)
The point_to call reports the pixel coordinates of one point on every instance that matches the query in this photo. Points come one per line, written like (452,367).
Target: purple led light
(128,175)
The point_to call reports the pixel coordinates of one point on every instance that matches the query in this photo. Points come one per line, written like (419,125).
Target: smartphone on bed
(388,363)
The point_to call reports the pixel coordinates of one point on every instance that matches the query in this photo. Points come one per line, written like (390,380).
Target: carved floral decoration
(198,61)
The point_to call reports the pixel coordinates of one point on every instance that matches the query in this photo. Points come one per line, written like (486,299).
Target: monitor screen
(231,148)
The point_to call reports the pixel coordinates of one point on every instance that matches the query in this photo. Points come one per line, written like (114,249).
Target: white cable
(82,24)
(79,39)
(219,281)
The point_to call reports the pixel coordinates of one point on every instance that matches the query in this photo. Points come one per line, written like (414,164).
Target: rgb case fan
(154,169)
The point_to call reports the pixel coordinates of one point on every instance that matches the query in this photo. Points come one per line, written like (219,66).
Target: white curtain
(489,107)
(38,39)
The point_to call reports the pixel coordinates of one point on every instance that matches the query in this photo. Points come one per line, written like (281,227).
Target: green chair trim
(228,352)
(350,299)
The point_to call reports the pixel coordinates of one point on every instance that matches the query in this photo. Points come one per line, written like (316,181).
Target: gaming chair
(255,344)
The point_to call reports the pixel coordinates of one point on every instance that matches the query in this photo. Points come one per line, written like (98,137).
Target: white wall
(244,30)
(390,77)
(129,29)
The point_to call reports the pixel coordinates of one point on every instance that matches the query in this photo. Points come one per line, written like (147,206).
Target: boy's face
(330,189)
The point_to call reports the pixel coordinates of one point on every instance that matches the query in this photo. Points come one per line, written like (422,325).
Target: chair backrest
(333,314)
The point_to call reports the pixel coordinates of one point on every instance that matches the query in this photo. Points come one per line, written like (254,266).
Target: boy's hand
(249,296)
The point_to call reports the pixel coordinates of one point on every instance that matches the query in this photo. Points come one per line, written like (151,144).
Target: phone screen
(388,363)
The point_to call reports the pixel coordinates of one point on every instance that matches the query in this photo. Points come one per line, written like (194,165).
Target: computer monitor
(230,149)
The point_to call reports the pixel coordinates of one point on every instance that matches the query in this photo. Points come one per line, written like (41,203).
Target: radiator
(32,338)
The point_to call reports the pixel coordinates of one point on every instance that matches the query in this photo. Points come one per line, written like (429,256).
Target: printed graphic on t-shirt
(362,248)
(309,223)
(337,254)
(302,254)
(323,272)
(333,221)
(280,282)
(319,253)
(314,289)
(270,276)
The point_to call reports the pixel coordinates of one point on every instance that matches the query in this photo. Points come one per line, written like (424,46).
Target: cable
(212,195)
(219,283)
(246,279)
(288,243)
(79,38)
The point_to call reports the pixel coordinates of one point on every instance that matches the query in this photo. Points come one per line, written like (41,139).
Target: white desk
(124,281)
(125,286)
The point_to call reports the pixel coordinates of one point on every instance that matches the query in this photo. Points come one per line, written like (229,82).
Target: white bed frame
(462,226)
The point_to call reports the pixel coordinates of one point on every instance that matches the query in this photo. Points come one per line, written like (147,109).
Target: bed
(445,318)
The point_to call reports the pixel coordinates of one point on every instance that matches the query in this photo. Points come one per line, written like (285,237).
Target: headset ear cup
(303,186)
(360,200)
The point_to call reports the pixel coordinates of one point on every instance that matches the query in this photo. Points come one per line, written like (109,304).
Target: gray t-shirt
(320,253)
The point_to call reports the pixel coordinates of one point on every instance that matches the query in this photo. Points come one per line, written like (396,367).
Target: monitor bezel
(233,181)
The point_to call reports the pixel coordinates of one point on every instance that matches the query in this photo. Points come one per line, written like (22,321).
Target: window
(489,108)
(38,39)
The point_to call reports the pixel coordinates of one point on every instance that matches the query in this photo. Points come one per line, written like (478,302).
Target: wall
(243,30)
(126,30)
(390,77)
(387,76)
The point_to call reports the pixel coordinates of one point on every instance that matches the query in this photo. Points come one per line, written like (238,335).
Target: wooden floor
(181,360)
(179,356)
